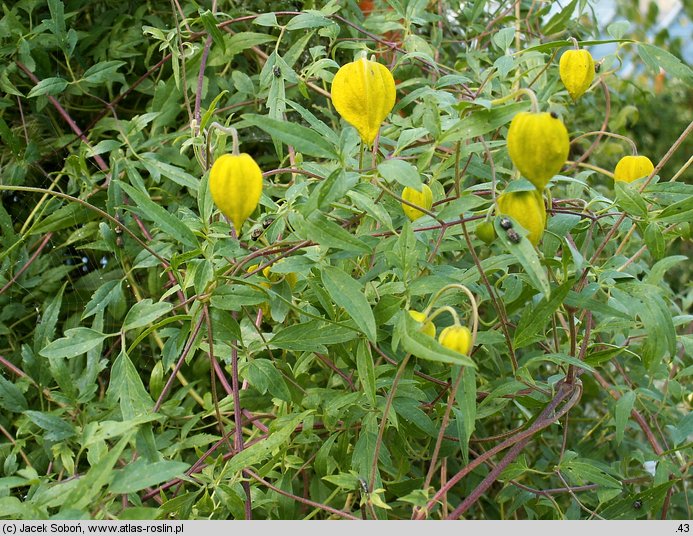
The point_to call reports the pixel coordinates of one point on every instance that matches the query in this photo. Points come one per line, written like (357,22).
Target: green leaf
(141,474)
(656,58)
(366,371)
(483,121)
(624,509)
(654,239)
(526,254)
(259,452)
(348,294)
(586,471)
(56,428)
(241,41)
(402,172)
(559,21)
(144,312)
(465,408)
(100,474)
(311,19)
(624,406)
(424,347)
(67,216)
(304,140)
(311,336)
(126,387)
(48,86)
(76,342)
(102,72)
(327,233)
(176,174)
(534,318)
(210,24)
(11,398)
(629,199)
(166,221)
(264,376)
(45,330)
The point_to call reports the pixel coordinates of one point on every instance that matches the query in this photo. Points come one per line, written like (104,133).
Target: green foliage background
(132,333)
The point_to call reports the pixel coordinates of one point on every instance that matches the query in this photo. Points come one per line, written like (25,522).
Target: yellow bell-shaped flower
(538,144)
(630,168)
(457,338)
(526,208)
(427,328)
(577,71)
(423,199)
(235,182)
(363,93)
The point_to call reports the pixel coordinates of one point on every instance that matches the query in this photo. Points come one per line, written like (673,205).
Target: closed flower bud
(423,199)
(457,338)
(577,71)
(526,208)
(363,93)
(538,144)
(428,328)
(235,182)
(630,168)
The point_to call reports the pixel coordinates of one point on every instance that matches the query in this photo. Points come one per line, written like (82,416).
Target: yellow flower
(428,328)
(235,182)
(526,208)
(423,199)
(363,93)
(577,71)
(538,144)
(630,168)
(457,338)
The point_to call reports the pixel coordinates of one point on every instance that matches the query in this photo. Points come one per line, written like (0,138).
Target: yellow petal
(423,199)
(538,144)
(526,208)
(363,93)
(630,168)
(235,182)
(577,71)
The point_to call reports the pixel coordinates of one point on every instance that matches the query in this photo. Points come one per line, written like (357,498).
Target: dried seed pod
(538,144)
(526,208)
(363,93)
(457,338)
(235,182)
(428,328)
(577,71)
(423,199)
(630,168)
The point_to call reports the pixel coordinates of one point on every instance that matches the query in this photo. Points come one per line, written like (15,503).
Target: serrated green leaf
(48,86)
(302,139)
(144,312)
(76,342)
(400,171)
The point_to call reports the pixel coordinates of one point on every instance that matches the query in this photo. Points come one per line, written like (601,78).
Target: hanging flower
(235,182)
(363,93)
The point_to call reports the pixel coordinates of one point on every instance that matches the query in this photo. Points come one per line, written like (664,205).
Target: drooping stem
(630,142)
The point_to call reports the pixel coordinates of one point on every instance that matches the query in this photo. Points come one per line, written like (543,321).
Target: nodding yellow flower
(423,199)
(428,328)
(538,144)
(235,182)
(630,168)
(363,93)
(526,208)
(457,338)
(577,71)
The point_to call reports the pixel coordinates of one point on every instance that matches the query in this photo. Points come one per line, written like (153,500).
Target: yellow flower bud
(526,208)
(428,328)
(457,338)
(577,71)
(363,93)
(630,168)
(538,144)
(291,278)
(423,199)
(235,182)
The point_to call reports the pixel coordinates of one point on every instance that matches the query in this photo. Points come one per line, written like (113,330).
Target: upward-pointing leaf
(346,292)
